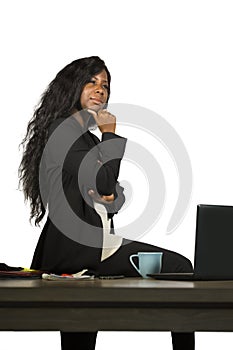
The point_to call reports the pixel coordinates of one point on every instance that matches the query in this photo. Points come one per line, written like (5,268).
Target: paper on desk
(66,277)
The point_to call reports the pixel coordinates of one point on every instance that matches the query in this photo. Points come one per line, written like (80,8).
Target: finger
(101,199)
(108,198)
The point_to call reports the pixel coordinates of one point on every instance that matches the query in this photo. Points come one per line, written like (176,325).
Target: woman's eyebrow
(104,81)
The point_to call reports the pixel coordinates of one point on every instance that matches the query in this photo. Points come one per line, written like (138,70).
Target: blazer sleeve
(95,166)
(112,149)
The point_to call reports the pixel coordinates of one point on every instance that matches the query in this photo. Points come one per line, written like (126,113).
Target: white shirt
(111,243)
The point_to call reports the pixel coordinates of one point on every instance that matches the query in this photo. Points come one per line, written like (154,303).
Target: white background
(174,57)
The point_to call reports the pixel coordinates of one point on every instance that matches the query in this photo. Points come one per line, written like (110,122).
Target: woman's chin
(96,107)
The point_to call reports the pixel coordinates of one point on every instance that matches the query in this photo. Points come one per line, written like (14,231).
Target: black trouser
(119,264)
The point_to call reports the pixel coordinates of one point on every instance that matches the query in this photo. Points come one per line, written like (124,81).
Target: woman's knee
(175,262)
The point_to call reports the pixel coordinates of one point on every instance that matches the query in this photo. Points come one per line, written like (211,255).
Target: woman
(68,171)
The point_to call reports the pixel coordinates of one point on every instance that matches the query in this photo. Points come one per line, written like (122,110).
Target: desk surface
(120,290)
(126,304)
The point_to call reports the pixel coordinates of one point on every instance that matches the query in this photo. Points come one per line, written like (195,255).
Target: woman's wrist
(111,131)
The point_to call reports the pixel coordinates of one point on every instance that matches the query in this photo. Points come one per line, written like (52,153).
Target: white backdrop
(173,57)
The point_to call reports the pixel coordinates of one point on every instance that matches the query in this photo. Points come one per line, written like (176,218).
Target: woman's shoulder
(68,124)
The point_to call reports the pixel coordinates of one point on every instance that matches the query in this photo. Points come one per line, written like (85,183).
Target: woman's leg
(183,341)
(78,340)
(119,264)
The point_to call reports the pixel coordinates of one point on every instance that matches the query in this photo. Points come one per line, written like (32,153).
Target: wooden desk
(127,304)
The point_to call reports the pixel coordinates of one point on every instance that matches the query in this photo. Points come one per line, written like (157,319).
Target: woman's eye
(94,82)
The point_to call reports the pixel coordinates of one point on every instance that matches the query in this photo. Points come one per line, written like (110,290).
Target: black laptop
(213,248)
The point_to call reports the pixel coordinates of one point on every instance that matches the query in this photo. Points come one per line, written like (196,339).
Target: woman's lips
(96,101)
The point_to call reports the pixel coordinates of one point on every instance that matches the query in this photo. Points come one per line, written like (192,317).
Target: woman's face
(95,92)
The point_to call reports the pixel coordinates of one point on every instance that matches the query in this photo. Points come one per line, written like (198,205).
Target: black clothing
(79,341)
(71,239)
(87,341)
(75,161)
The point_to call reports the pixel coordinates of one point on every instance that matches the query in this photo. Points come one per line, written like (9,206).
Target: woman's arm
(95,166)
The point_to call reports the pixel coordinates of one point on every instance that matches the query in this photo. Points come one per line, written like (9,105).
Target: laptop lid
(214,241)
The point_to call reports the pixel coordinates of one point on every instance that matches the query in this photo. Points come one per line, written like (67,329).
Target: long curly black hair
(60,99)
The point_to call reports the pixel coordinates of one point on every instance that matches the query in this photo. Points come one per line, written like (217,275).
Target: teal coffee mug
(147,263)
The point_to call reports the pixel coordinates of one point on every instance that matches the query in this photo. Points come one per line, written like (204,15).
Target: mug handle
(131,260)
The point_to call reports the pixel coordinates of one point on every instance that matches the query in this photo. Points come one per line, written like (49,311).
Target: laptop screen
(214,241)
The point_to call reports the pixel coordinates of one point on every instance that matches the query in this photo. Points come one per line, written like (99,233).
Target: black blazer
(75,161)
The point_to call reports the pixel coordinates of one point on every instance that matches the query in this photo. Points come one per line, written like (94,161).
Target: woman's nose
(99,89)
